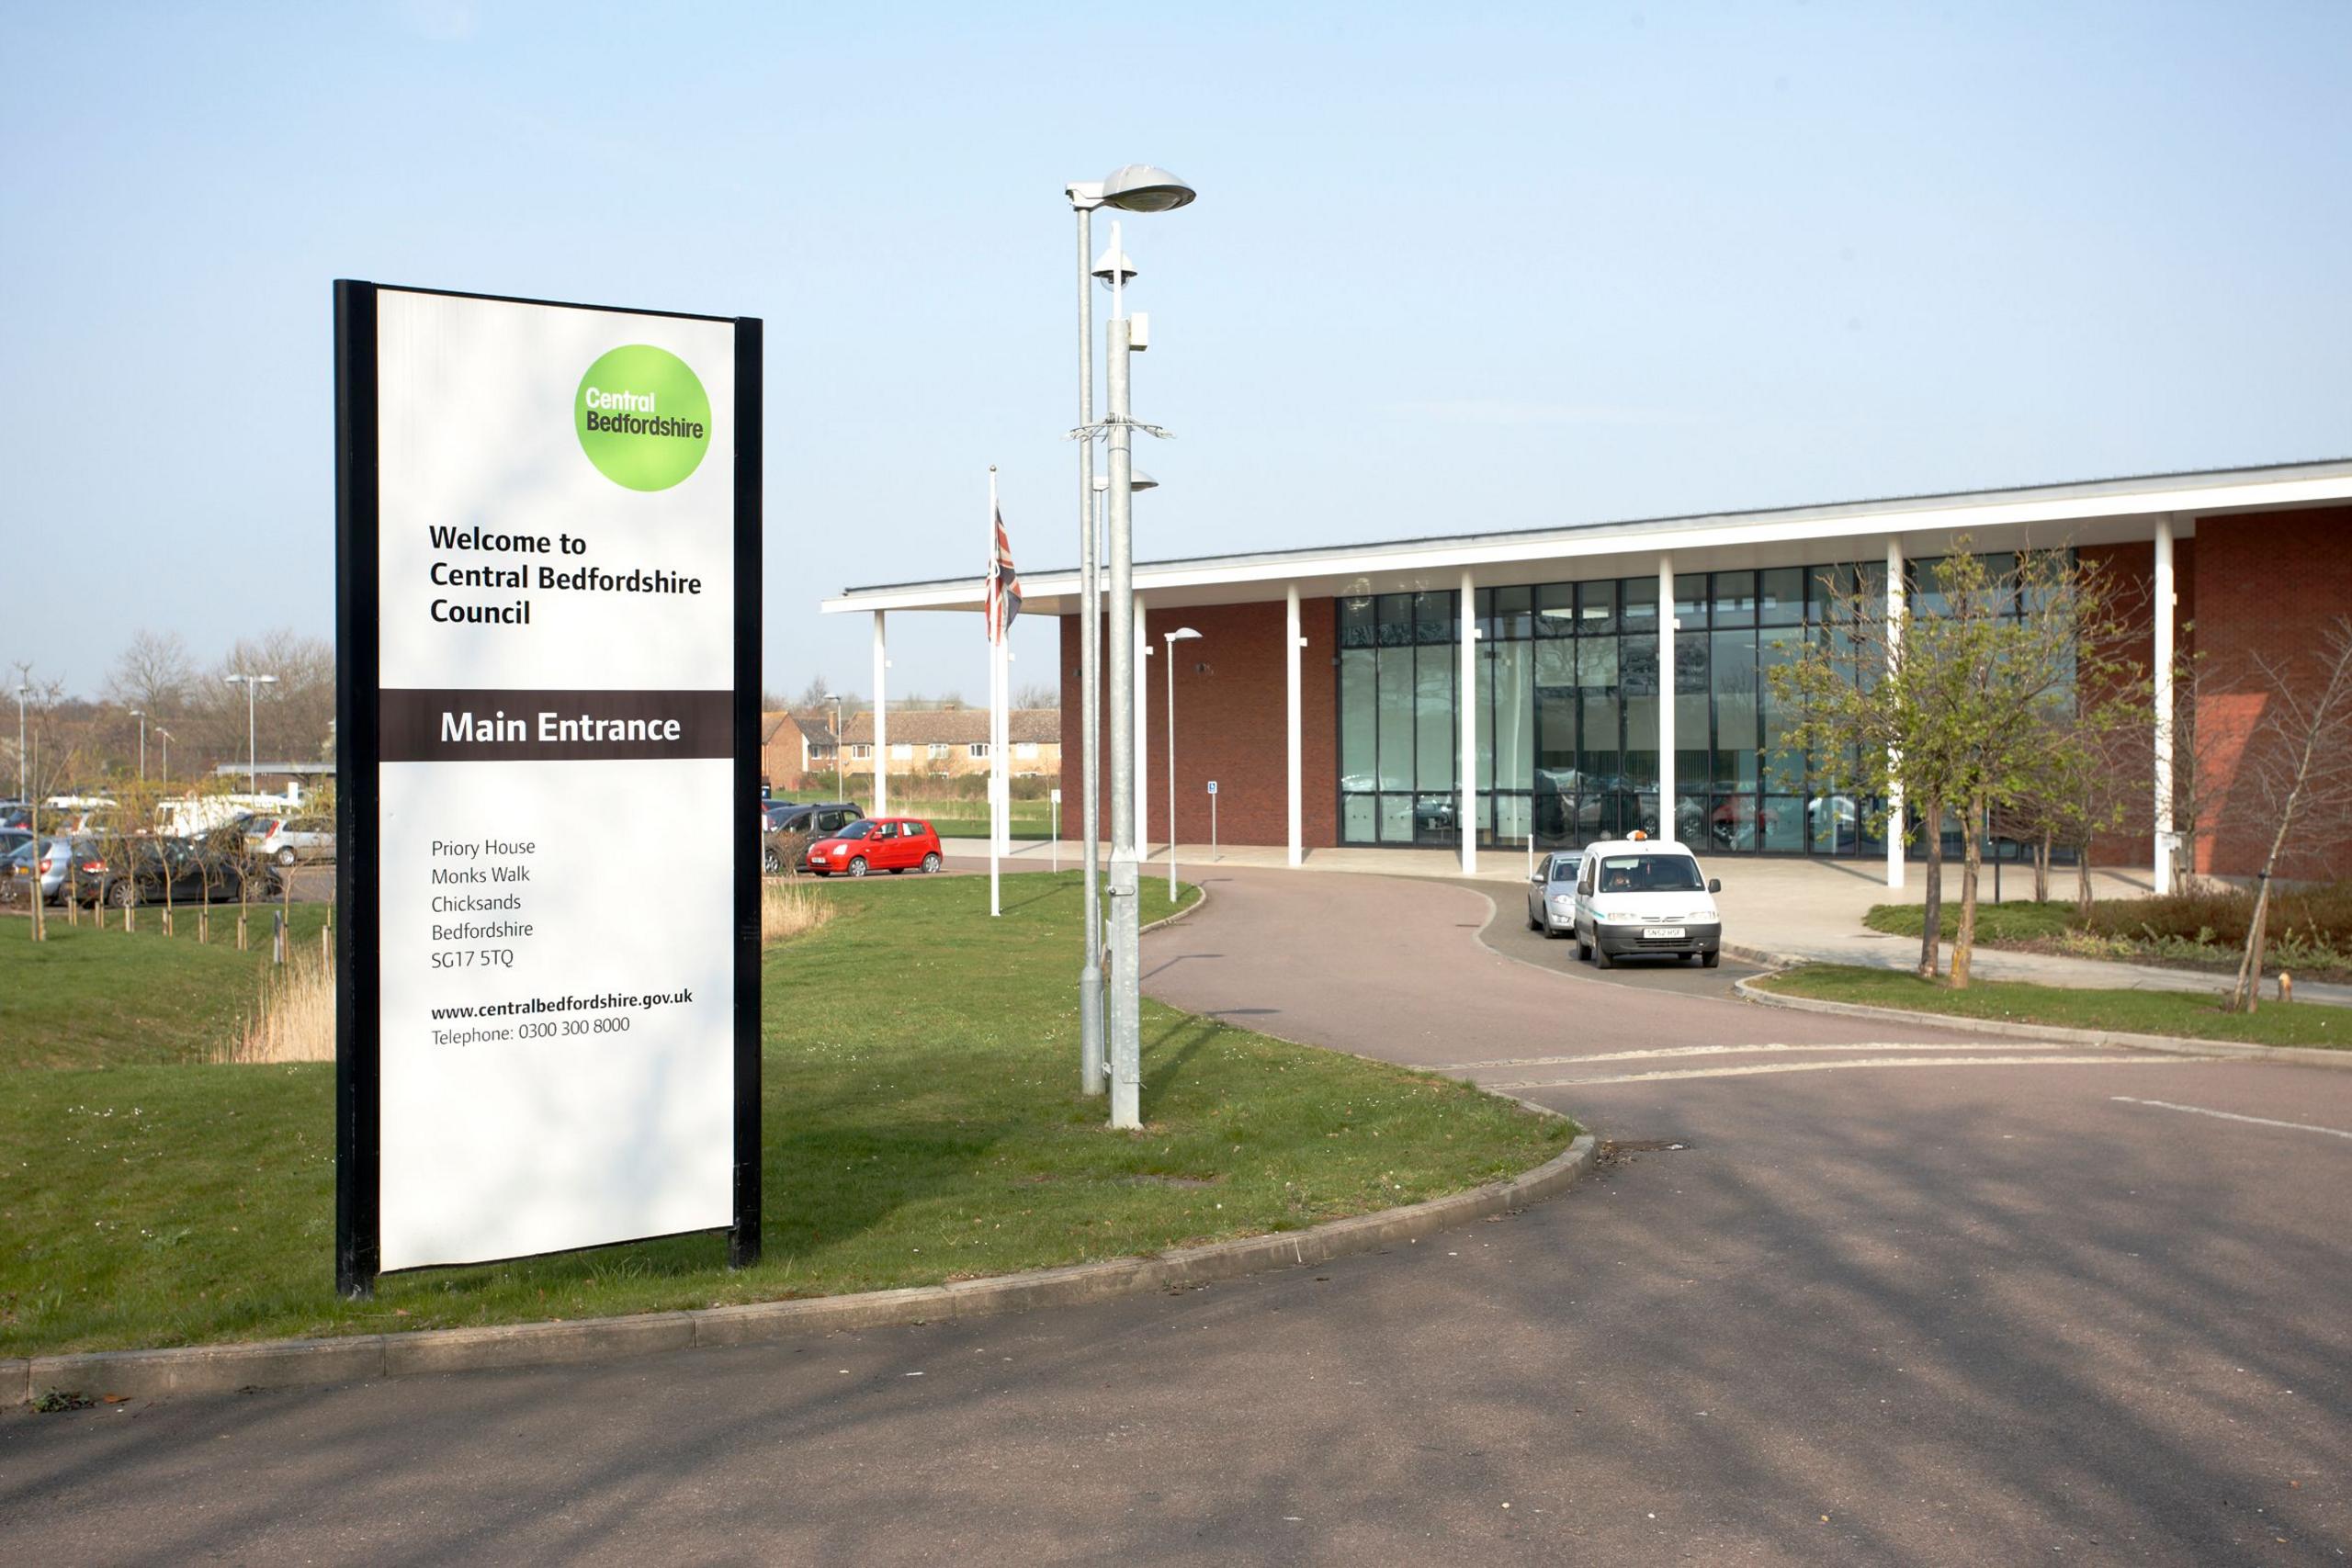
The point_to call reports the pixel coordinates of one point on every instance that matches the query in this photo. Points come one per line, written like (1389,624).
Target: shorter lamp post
(253,685)
(1182,634)
(837,747)
(165,737)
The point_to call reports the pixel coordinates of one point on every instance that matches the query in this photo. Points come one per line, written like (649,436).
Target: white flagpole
(993,600)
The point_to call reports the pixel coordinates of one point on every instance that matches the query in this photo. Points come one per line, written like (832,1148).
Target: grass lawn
(923,1125)
(2191,1015)
(88,998)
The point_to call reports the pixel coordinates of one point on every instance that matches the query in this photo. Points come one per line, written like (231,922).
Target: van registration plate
(1661,933)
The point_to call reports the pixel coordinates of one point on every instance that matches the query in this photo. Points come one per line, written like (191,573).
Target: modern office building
(1473,691)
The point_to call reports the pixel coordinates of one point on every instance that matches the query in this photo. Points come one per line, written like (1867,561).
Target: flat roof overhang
(2094,511)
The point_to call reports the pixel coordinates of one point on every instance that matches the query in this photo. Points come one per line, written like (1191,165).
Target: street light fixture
(24,690)
(1180,633)
(253,685)
(1135,187)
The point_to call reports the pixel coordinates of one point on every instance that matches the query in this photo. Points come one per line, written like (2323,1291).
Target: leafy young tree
(1953,699)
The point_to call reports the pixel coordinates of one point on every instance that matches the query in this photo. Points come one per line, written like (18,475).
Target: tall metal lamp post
(1137,187)
(165,737)
(253,685)
(1180,635)
(141,715)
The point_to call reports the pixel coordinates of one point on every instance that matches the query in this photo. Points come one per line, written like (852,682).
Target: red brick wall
(1230,722)
(2270,585)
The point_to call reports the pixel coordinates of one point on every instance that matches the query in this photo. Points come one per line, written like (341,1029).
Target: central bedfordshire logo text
(643,417)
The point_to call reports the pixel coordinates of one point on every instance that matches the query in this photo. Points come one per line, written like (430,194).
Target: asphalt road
(1899,1295)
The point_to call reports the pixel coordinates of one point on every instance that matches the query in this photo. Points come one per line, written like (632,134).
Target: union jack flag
(1004,586)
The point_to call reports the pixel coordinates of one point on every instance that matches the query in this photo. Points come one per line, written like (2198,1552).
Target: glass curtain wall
(1567,709)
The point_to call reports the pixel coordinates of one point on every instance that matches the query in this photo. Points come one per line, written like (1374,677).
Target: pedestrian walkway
(1778,910)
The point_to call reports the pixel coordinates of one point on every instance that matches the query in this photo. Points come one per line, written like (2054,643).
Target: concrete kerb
(2297,1055)
(294,1363)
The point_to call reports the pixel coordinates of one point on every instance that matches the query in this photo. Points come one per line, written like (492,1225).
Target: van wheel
(1600,959)
(1584,950)
(1711,960)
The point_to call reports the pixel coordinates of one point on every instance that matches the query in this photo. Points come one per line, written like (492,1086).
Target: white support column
(1665,696)
(2163,659)
(1294,640)
(1465,702)
(1143,736)
(1895,605)
(881,718)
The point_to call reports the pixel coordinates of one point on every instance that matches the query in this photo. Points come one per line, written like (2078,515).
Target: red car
(877,843)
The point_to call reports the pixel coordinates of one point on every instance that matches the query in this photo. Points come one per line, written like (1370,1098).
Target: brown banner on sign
(554,727)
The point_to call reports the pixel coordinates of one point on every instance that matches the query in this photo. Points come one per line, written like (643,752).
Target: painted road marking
(1728,1051)
(1757,1069)
(2233,1116)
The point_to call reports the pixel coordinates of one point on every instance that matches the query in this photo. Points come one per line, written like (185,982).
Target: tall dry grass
(790,908)
(295,1021)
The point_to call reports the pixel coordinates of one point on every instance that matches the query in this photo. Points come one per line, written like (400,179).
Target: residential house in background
(931,742)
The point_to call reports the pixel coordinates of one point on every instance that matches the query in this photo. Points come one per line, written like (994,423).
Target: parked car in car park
(878,843)
(286,842)
(55,866)
(1641,896)
(1552,893)
(181,870)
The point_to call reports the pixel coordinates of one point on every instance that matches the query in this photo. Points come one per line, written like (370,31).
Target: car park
(792,829)
(1641,896)
(1552,893)
(879,843)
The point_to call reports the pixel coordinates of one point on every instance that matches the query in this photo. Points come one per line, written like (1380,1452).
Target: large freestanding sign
(548,605)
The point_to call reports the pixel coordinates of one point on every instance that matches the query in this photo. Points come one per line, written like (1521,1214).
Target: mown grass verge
(922,1117)
(2190,1015)
(88,998)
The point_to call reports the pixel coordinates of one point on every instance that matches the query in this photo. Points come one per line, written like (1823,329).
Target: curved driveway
(1963,1313)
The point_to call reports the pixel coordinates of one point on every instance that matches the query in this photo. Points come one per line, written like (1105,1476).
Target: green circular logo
(643,417)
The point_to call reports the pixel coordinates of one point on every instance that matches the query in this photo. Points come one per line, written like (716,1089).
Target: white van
(1642,895)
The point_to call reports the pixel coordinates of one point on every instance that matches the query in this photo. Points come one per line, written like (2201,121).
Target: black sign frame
(359,754)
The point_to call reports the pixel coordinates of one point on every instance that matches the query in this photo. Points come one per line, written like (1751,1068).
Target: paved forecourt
(1965,1313)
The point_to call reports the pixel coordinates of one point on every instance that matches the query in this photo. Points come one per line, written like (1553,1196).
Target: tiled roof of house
(955,726)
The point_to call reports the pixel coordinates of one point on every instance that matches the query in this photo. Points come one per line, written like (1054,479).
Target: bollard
(2286,986)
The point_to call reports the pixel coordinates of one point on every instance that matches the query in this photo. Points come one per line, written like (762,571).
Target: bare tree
(2299,762)
(296,721)
(1038,694)
(153,674)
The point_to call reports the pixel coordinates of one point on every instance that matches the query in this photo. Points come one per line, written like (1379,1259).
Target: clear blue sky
(1450,268)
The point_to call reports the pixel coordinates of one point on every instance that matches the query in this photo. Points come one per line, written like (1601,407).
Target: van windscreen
(1649,873)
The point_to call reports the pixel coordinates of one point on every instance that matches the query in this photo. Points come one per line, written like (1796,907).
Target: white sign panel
(557,825)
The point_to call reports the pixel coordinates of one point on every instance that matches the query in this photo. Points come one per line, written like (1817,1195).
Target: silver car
(284,841)
(50,863)
(1552,893)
